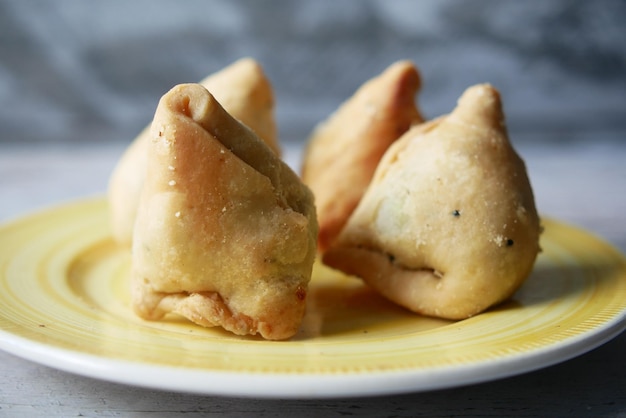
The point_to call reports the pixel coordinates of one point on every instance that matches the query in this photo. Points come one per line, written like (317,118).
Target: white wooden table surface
(580,183)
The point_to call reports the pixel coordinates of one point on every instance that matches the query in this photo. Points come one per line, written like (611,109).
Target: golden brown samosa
(448,226)
(226,232)
(343,151)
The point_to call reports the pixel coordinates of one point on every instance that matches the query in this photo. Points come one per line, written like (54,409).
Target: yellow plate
(64,303)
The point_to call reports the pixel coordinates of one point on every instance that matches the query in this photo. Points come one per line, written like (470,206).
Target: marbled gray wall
(79,70)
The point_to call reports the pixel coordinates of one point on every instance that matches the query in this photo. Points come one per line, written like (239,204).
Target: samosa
(448,226)
(226,232)
(343,151)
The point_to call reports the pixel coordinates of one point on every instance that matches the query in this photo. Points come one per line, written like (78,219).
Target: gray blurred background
(79,71)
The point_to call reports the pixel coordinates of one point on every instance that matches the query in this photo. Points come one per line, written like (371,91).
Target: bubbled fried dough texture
(225,232)
(448,226)
(343,151)
(242,89)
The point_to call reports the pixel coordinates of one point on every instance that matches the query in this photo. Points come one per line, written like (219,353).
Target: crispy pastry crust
(343,151)
(225,231)
(448,226)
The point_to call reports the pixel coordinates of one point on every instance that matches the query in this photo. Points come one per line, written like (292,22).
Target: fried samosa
(448,226)
(343,151)
(242,89)
(226,232)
